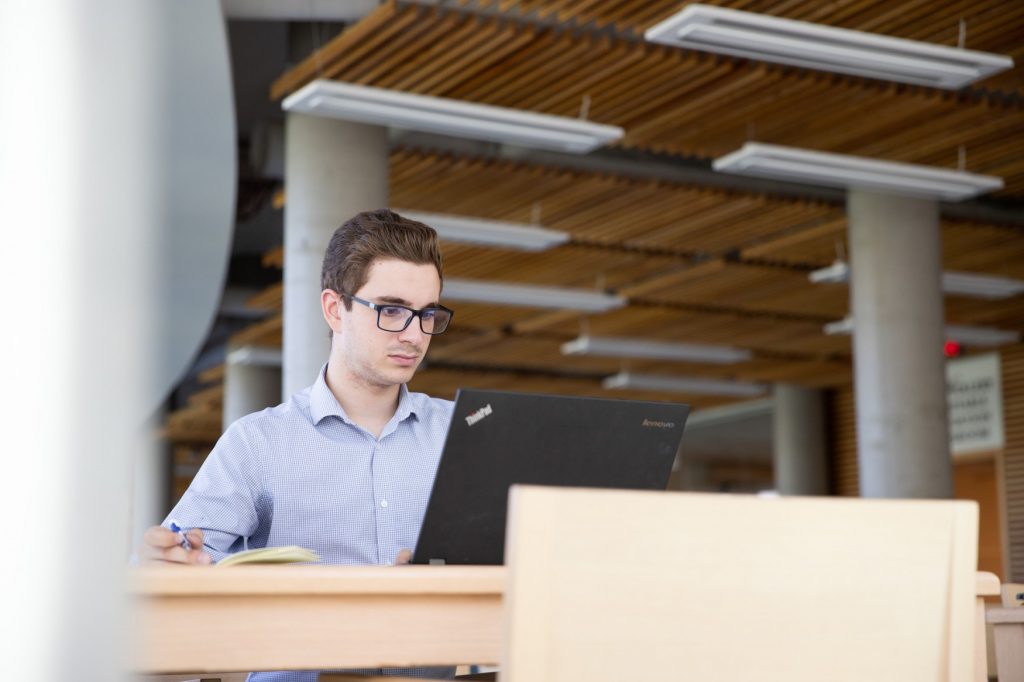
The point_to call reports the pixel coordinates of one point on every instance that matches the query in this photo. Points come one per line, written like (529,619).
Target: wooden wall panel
(1012,360)
(977,481)
(842,442)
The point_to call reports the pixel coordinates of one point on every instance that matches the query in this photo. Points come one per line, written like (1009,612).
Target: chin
(400,375)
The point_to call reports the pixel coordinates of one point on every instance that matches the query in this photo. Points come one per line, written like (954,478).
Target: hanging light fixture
(759,37)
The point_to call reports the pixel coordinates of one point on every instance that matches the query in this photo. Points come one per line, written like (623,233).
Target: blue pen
(175,528)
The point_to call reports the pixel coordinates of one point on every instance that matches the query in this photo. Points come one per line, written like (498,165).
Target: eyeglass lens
(393,318)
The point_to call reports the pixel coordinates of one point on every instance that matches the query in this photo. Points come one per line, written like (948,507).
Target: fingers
(404,557)
(158,536)
(188,556)
(163,545)
(176,555)
(195,537)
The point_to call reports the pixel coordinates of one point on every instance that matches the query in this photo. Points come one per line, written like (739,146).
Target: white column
(252,382)
(119,118)
(798,435)
(333,170)
(896,302)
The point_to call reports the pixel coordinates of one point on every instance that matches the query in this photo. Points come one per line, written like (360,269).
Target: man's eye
(392,311)
(428,313)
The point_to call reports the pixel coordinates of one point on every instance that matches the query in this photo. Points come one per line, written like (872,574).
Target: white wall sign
(974,393)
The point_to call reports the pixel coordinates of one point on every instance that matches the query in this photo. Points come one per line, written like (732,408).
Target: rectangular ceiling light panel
(968,284)
(379,106)
(691,385)
(494,233)
(967,335)
(837,273)
(655,350)
(843,326)
(759,37)
(530,296)
(981,286)
(846,171)
(981,336)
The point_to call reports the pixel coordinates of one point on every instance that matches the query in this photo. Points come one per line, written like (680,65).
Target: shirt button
(384,503)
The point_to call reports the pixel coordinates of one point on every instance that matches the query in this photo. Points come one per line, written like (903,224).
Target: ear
(330,304)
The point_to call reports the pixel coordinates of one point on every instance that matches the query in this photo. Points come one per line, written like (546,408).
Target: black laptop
(497,439)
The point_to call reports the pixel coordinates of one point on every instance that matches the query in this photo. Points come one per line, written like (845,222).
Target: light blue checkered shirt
(303,473)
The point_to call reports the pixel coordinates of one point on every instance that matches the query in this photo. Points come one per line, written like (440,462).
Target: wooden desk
(1008,632)
(205,619)
(201,619)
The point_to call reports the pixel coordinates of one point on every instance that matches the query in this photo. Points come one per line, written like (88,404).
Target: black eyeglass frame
(413,313)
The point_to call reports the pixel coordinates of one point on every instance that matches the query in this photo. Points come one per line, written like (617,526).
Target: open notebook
(289,554)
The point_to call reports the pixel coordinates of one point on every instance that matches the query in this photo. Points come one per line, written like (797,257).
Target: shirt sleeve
(225,495)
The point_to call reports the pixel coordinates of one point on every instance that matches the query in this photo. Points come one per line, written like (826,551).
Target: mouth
(404,359)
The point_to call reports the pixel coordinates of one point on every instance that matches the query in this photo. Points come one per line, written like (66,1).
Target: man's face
(380,358)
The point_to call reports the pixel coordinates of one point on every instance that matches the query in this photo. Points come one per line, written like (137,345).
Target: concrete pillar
(798,439)
(252,382)
(333,170)
(896,302)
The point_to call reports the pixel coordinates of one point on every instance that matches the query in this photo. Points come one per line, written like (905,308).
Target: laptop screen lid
(497,439)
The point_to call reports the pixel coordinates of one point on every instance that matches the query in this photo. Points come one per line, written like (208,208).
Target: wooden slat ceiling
(699,264)
(973,247)
(766,333)
(687,103)
(992,26)
(542,353)
(569,266)
(595,208)
(745,286)
(763,288)
(443,383)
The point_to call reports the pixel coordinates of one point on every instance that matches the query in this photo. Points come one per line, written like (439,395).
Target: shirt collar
(323,404)
(407,406)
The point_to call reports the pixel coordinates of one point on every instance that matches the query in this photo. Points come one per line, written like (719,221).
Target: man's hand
(163,545)
(404,557)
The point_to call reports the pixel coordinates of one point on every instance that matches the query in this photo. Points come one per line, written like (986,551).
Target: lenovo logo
(479,414)
(658,425)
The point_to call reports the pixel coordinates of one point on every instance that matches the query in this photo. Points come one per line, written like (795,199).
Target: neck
(369,406)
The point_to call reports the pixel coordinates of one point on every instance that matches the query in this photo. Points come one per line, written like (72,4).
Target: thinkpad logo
(479,414)
(658,425)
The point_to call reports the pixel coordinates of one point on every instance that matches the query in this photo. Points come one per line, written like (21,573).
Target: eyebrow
(401,301)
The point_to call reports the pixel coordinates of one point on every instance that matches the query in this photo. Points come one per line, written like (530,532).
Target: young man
(344,467)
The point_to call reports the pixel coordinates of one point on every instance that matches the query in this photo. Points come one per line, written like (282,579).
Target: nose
(412,334)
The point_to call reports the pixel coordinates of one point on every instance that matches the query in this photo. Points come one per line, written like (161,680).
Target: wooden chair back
(608,585)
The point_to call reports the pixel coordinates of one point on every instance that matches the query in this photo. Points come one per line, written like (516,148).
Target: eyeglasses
(396,318)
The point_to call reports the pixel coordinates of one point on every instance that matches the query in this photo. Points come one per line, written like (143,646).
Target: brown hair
(371,235)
